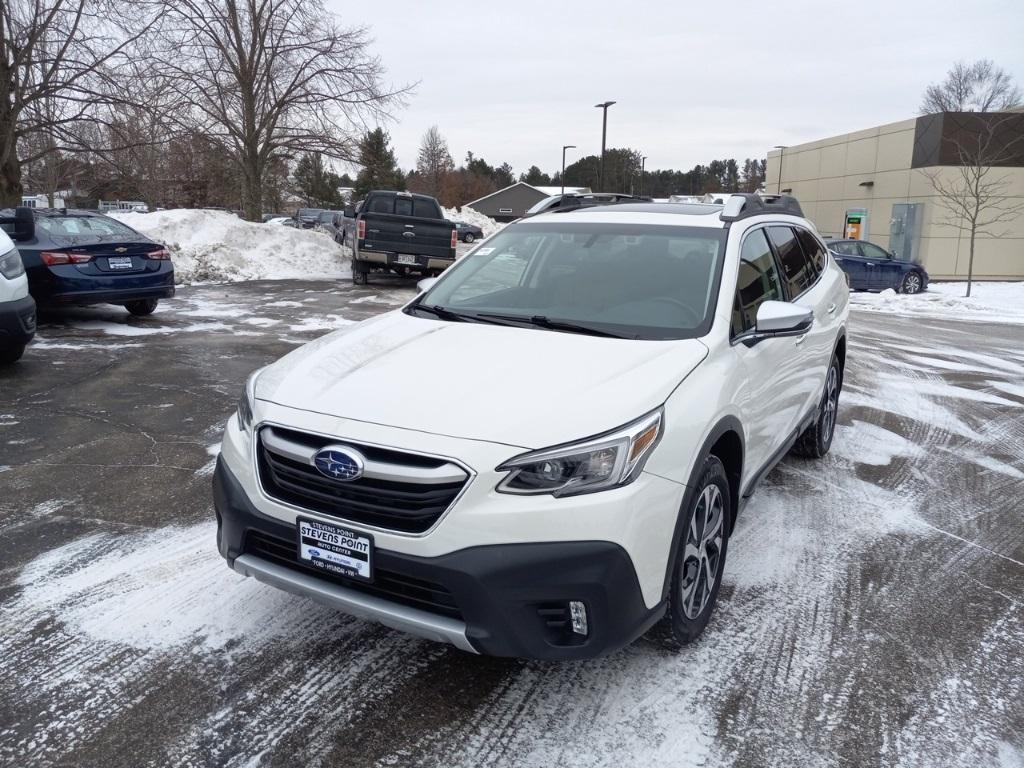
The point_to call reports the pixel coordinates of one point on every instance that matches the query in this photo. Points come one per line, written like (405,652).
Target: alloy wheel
(702,551)
(831,404)
(912,283)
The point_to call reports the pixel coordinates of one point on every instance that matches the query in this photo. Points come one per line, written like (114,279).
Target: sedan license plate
(335,549)
(405,258)
(119,262)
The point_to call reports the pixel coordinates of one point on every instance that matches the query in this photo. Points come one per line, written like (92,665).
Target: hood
(523,387)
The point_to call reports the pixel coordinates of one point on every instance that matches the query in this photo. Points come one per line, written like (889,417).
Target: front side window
(873,251)
(759,281)
(796,270)
(632,281)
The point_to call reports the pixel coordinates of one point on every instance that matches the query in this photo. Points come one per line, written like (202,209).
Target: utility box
(905,230)
(856,225)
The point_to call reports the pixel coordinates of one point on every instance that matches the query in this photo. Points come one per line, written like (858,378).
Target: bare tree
(63,64)
(271,78)
(975,195)
(980,86)
(434,161)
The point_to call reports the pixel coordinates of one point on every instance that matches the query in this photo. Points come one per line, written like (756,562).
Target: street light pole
(567,146)
(643,162)
(604,135)
(782,150)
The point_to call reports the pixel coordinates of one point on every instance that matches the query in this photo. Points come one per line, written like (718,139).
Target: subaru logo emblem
(339,462)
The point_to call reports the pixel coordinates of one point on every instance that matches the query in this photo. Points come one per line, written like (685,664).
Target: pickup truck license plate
(119,262)
(405,258)
(335,549)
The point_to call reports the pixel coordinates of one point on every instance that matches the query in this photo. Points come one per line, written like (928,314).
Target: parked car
(307,218)
(281,221)
(543,455)
(872,268)
(81,257)
(269,217)
(398,233)
(572,200)
(468,232)
(17,309)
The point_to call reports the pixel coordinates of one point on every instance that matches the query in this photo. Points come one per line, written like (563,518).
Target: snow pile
(470,216)
(989,302)
(215,246)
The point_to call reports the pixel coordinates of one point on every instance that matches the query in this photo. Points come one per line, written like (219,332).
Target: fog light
(579,617)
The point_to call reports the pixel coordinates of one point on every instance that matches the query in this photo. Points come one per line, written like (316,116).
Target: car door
(821,295)
(883,270)
(766,394)
(800,282)
(848,257)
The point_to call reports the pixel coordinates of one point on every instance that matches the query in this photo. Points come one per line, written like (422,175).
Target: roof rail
(740,205)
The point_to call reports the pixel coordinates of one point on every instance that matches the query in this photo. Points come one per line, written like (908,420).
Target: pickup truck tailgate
(408,234)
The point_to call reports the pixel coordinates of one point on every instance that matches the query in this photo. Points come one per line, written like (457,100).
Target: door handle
(831,308)
(408,234)
(868,264)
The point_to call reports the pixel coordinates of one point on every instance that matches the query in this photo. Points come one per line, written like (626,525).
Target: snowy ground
(989,302)
(872,611)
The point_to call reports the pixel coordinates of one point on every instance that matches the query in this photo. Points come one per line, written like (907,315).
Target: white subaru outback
(544,454)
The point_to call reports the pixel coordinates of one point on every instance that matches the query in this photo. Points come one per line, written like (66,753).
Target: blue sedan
(872,268)
(81,257)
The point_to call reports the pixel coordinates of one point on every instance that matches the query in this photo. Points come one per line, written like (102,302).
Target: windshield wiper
(443,313)
(542,321)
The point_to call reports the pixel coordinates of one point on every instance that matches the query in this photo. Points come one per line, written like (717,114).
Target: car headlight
(595,464)
(10,264)
(246,402)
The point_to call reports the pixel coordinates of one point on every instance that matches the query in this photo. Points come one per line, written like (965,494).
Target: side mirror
(781,318)
(425,284)
(24,224)
(349,211)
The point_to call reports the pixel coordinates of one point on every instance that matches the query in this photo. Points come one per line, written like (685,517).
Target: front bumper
(499,599)
(17,321)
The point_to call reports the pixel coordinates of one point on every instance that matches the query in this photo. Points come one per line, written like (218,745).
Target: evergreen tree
(315,183)
(536,177)
(380,168)
(434,162)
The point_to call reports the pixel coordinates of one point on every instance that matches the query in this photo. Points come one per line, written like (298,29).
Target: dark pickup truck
(398,233)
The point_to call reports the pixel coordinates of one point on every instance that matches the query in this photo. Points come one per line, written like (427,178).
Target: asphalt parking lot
(872,610)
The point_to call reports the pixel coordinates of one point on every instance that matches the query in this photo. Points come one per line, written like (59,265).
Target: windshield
(633,281)
(83,225)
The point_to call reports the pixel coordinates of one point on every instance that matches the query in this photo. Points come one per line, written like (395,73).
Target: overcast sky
(694,81)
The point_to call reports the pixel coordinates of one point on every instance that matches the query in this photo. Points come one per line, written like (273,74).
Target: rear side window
(425,209)
(382,204)
(813,250)
(796,270)
(758,282)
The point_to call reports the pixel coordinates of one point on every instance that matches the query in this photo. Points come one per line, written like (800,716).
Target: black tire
(468,237)
(912,283)
(142,307)
(360,274)
(817,438)
(9,355)
(701,550)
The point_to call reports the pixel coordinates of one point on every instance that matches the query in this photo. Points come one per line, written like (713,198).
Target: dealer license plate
(119,262)
(405,258)
(335,549)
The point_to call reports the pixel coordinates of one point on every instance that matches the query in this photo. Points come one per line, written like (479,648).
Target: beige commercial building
(875,184)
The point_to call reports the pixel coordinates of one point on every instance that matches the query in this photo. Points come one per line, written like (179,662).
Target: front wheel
(815,441)
(912,283)
(9,355)
(700,557)
(142,307)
